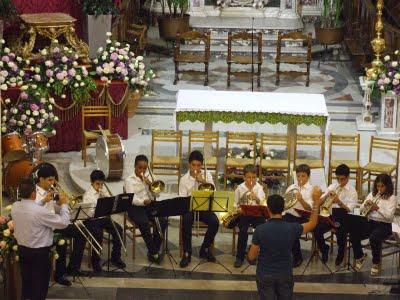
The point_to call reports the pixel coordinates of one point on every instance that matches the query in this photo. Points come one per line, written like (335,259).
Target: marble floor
(212,281)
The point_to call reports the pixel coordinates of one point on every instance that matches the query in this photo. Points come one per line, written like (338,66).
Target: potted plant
(174,20)
(99,16)
(7,11)
(330,30)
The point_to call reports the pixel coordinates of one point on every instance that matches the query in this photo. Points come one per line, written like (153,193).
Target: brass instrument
(290,197)
(88,236)
(156,186)
(230,220)
(325,208)
(368,207)
(71,199)
(206,186)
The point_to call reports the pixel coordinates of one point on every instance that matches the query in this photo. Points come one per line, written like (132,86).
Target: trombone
(59,189)
(89,237)
(206,186)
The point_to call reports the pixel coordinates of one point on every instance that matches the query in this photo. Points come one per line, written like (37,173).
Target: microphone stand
(252,54)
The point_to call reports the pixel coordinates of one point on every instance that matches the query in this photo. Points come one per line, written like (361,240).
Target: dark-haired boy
(96,191)
(139,184)
(272,242)
(344,201)
(249,192)
(188,183)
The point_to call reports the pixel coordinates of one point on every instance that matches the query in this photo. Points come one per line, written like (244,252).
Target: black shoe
(297,262)
(325,255)
(63,281)
(186,259)
(97,268)
(338,260)
(154,258)
(118,263)
(207,254)
(238,262)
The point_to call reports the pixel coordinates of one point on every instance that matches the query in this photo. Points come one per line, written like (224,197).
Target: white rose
(31,121)
(56,119)
(53,132)
(28,112)
(56,256)
(387,58)
(27,61)
(8,207)
(139,58)
(386,80)
(65,82)
(82,84)
(35,113)
(37,70)
(51,80)
(108,41)
(4,118)
(108,33)
(7,101)
(20,123)
(51,100)
(28,126)
(6,232)
(61,242)
(6,50)
(3,87)
(15,111)
(396,81)
(43,52)
(63,96)
(46,116)
(397,76)
(76,84)
(43,100)
(42,111)
(24,88)
(5,111)
(396,52)
(21,73)
(3,129)
(382,88)
(78,77)
(1,64)
(55,41)
(120,57)
(50,107)
(104,57)
(395,64)
(100,50)
(75,64)
(96,61)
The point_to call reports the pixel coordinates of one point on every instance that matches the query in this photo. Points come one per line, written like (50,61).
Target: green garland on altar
(228,117)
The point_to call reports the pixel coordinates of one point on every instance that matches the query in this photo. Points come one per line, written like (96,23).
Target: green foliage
(331,13)
(7,9)
(99,7)
(175,7)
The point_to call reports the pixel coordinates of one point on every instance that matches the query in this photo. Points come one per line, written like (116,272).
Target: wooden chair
(244,59)
(90,136)
(170,163)
(310,140)
(211,138)
(202,58)
(281,165)
(300,59)
(137,37)
(341,141)
(374,167)
(238,138)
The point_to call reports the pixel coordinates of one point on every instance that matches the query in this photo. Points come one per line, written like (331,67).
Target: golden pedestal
(51,26)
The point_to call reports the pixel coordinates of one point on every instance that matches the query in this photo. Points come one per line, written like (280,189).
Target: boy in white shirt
(378,227)
(141,213)
(96,191)
(188,183)
(250,192)
(344,201)
(304,202)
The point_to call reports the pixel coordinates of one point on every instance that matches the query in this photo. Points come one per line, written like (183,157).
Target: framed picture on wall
(388,113)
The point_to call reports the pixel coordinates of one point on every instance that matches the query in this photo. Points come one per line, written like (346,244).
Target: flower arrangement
(11,68)
(388,79)
(58,72)
(116,62)
(8,243)
(34,112)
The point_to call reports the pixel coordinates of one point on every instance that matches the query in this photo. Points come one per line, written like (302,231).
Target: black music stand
(217,201)
(108,206)
(167,208)
(314,250)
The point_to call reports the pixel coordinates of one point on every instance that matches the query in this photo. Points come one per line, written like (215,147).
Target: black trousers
(77,252)
(377,233)
(296,249)
(207,217)
(275,287)
(142,215)
(35,272)
(97,226)
(244,223)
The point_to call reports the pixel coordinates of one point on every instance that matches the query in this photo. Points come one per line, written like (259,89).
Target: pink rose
(72,72)
(5,58)
(3,244)
(37,77)
(10,225)
(85,72)
(56,50)
(60,76)
(3,220)
(103,78)
(114,56)
(33,106)
(24,96)
(49,73)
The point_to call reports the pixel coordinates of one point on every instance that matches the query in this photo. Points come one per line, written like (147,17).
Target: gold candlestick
(378,43)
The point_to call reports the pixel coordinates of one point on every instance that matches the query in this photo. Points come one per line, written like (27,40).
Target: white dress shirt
(347,194)
(242,190)
(187,183)
(91,196)
(134,184)
(34,224)
(306,193)
(387,208)
(40,195)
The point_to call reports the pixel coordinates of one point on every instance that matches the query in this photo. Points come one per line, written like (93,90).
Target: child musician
(141,213)
(97,190)
(345,198)
(252,193)
(304,202)
(189,182)
(379,224)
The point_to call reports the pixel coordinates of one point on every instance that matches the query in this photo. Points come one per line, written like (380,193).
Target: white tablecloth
(235,101)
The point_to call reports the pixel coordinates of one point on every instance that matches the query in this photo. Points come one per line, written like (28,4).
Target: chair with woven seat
(310,140)
(169,164)
(206,138)
(239,37)
(137,37)
(298,59)
(374,168)
(188,58)
(340,141)
(90,136)
(281,165)
(238,139)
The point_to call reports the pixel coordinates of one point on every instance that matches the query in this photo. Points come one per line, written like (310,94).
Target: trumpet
(325,208)
(206,186)
(368,207)
(156,186)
